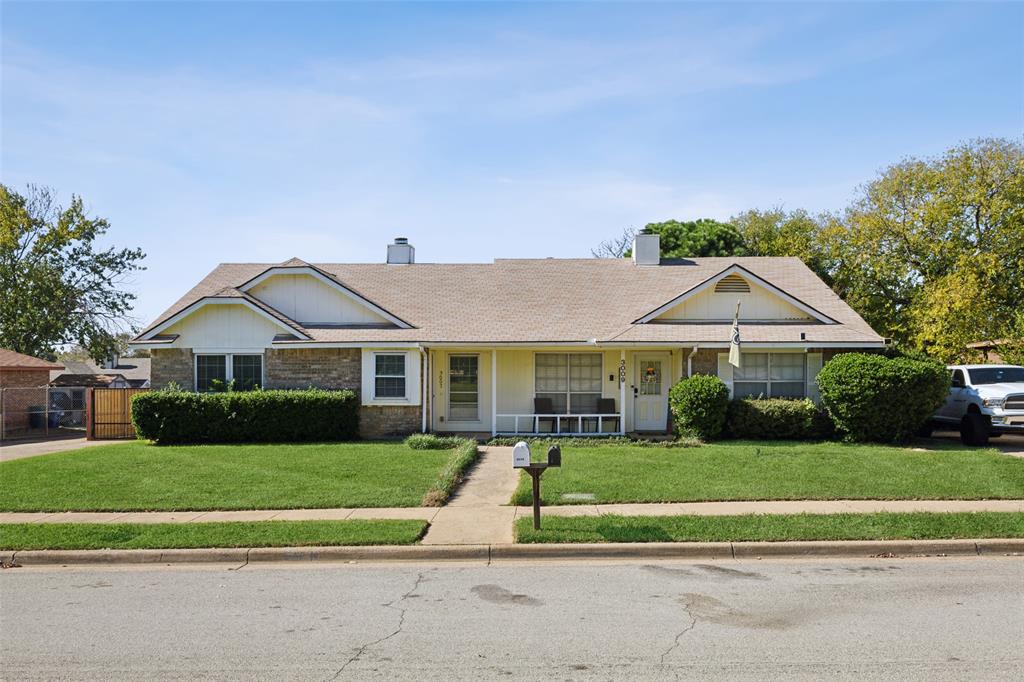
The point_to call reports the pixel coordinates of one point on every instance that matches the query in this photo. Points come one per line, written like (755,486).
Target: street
(940,618)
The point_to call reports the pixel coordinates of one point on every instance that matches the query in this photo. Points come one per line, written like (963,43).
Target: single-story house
(114,372)
(23,380)
(512,346)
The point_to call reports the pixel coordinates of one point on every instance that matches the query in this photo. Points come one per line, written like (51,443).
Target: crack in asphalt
(394,604)
(679,635)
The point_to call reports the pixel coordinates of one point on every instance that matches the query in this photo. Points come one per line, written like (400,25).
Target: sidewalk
(12,449)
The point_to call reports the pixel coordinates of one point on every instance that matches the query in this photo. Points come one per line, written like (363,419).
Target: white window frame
(769,381)
(568,376)
(368,376)
(404,377)
(449,388)
(229,368)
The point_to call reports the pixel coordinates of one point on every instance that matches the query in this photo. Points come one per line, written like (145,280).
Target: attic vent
(732,284)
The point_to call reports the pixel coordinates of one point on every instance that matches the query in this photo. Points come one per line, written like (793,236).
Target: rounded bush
(777,419)
(875,398)
(699,406)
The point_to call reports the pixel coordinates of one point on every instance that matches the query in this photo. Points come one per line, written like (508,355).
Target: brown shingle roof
(553,300)
(11,360)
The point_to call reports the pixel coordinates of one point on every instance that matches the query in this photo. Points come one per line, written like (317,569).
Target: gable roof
(553,301)
(132,369)
(10,360)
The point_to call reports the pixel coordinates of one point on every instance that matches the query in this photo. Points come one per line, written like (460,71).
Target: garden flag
(734,343)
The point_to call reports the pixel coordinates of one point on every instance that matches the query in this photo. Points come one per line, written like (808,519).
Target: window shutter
(814,363)
(725,370)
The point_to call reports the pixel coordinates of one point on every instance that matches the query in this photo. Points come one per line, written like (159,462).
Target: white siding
(759,304)
(307,300)
(224,327)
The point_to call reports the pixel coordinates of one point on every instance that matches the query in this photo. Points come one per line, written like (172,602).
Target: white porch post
(494,392)
(623,370)
(424,379)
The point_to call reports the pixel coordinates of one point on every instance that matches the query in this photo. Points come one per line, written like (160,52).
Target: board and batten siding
(307,300)
(224,327)
(759,304)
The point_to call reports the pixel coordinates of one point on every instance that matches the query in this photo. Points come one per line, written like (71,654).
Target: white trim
(368,365)
(568,374)
(494,391)
(211,300)
(229,364)
(424,369)
(667,345)
(733,269)
(303,270)
(622,369)
(398,345)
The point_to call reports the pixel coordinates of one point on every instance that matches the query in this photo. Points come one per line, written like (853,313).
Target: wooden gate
(110,413)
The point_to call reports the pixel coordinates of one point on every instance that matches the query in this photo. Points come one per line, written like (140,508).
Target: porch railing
(533,423)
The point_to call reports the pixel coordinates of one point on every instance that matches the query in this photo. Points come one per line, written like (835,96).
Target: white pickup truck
(984,401)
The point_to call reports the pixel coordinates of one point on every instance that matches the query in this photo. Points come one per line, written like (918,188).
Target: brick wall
(389,421)
(172,364)
(321,367)
(19,391)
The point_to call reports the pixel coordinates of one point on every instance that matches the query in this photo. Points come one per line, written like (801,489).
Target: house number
(622,371)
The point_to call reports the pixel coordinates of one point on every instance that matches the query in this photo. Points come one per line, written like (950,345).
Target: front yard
(138,476)
(745,470)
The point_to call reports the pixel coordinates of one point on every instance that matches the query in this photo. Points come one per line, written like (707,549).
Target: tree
(696,239)
(776,232)
(932,252)
(619,247)
(58,287)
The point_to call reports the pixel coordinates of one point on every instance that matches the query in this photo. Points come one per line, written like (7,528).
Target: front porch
(543,391)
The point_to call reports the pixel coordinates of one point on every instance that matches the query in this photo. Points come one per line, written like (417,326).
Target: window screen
(389,376)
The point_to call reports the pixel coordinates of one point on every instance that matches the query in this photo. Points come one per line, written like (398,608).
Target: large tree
(58,287)
(931,253)
(777,232)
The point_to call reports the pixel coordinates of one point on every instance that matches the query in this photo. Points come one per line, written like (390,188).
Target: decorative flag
(734,343)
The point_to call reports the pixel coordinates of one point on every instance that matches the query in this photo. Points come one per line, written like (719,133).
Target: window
(389,375)
(217,372)
(770,375)
(211,373)
(463,388)
(571,380)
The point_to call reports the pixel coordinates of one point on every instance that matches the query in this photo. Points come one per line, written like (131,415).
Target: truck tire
(974,430)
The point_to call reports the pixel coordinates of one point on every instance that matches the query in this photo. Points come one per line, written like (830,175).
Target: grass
(22,536)
(138,476)
(884,526)
(461,458)
(743,470)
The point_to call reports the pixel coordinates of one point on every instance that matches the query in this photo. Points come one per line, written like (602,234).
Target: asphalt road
(942,618)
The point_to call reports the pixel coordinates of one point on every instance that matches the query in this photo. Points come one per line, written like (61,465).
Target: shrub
(874,398)
(699,405)
(246,417)
(430,441)
(777,419)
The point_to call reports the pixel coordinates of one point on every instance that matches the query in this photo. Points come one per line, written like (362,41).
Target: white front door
(650,392)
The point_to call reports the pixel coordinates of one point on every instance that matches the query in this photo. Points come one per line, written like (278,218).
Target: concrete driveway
(1011,445)
(13,449)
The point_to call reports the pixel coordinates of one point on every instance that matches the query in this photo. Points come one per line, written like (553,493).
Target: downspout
(689,362)
(424,358)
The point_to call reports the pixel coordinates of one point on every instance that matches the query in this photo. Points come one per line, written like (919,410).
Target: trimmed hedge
(875,398)
(699,406)
(777,419)
(246,417)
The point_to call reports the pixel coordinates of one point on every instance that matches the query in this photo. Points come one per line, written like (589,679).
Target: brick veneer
(321,367)
(171,364)
(28,390)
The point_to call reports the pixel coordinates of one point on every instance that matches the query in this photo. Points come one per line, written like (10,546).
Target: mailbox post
(521,460)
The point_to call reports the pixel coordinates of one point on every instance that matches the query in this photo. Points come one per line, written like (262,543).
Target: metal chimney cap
(401,240)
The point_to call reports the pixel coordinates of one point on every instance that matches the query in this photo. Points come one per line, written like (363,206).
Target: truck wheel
(974,430)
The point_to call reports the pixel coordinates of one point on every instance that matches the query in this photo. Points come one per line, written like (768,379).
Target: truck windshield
(997,375)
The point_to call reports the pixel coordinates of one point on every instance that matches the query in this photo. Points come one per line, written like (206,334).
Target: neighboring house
(133,373)
(992,351)
(23,380)
(509,346)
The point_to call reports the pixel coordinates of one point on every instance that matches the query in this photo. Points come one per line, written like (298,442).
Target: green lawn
(910,526)
(138,476)
(20,536)
(744,470)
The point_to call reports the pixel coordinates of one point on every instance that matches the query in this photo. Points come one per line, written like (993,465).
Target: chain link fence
(45,411)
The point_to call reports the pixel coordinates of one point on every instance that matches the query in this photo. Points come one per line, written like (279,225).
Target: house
(23,391)
(513,346)
(992,351)
(133,373)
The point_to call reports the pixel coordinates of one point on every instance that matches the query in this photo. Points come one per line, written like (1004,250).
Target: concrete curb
(862,549)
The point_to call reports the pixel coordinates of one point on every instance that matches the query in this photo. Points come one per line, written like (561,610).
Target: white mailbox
(521,455)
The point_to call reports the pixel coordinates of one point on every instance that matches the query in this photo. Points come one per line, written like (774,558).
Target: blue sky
(216,132)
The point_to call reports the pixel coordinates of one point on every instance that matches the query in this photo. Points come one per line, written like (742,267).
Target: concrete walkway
(477,513)
(10,450)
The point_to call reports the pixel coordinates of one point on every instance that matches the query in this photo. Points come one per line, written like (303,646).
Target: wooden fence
(109,413)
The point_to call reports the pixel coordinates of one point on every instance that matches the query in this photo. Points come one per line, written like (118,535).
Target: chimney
(646,248)
(112,361)
(401,252)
